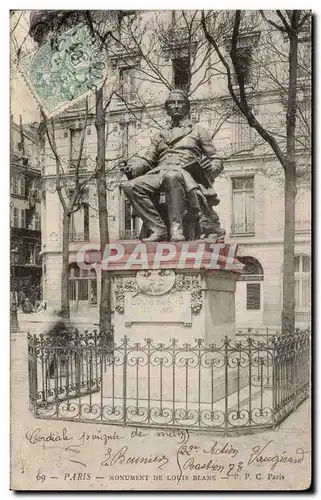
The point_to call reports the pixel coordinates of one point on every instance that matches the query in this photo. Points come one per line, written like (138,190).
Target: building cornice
(299,238)
(24,169)
(120,108)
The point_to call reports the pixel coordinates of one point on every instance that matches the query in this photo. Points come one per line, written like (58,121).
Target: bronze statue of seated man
(174,165)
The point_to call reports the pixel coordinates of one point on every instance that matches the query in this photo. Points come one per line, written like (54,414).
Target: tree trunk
(65,310)
(288,312)
(105,291)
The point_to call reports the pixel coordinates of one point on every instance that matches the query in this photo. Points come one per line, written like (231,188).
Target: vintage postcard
(160,202)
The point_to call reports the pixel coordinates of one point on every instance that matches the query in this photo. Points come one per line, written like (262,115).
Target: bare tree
(105,290)
(70,187)
(47,26)
(290,24)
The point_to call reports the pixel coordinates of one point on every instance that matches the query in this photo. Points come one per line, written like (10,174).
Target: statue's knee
(127,187)
(172,176)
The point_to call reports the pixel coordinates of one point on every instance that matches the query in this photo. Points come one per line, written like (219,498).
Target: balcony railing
(243,228)
(82,166)
(131,234)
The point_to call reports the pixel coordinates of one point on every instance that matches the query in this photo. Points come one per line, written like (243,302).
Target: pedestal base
(167,303)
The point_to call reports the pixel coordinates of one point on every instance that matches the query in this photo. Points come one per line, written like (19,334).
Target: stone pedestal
(173,302)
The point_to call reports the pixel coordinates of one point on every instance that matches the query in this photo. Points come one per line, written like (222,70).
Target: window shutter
(22,218)
(128,216)
(249,211)
(15,217)
(86,221)
(22,186)
(238,210)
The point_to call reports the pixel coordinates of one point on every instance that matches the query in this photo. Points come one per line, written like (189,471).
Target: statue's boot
(177,232)
(221,236)
(157,235)
(217,237)
(178,237)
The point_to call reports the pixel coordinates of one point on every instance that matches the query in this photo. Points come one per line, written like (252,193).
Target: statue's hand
(216,167)
(126,169)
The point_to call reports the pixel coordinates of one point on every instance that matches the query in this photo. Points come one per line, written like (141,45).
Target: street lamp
(13,306)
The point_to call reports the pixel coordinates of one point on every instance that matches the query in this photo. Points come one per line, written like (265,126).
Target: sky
(21,100)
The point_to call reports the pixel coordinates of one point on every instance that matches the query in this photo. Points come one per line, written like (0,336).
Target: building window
(82,285)
(182,73)
(127,83)
(18,185)
(34,189)
(85,208)
(243,205)
(302,288)
(15,217)
(253,273)
(129,223)
(128,139)
(244,53)
(31,254)
(37,221)
(22,186)
(79,221)
(22,218)
(244,62)
(242,134)
(14,184)
(75,136)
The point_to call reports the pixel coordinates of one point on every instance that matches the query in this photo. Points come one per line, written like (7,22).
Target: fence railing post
(32,372)
(125,381)
(226,382)
(296,369)
(274,382)
(56,360)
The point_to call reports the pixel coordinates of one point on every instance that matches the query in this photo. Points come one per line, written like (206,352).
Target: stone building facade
(25,207)
(250,188)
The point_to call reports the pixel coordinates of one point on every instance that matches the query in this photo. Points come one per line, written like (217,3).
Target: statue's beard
(178,118)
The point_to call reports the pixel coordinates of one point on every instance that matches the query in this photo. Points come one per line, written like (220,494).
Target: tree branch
(287,27)
(81,145)
(241,101)
(272,23)
(53,146)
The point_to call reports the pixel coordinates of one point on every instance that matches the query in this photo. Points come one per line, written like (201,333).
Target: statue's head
(177,104)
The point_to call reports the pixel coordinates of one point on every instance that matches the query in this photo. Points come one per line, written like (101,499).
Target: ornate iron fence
(235,386)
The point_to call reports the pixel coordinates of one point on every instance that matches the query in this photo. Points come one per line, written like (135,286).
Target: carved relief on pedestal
(156,281)
(123,285)
(194,284)
(160,283)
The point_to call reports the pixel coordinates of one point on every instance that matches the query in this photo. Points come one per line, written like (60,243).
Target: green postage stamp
(65,71)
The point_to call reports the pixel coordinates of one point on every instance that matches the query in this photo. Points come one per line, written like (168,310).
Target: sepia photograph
(160,250)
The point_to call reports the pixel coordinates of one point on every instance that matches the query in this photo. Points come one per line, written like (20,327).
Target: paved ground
(49,454)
